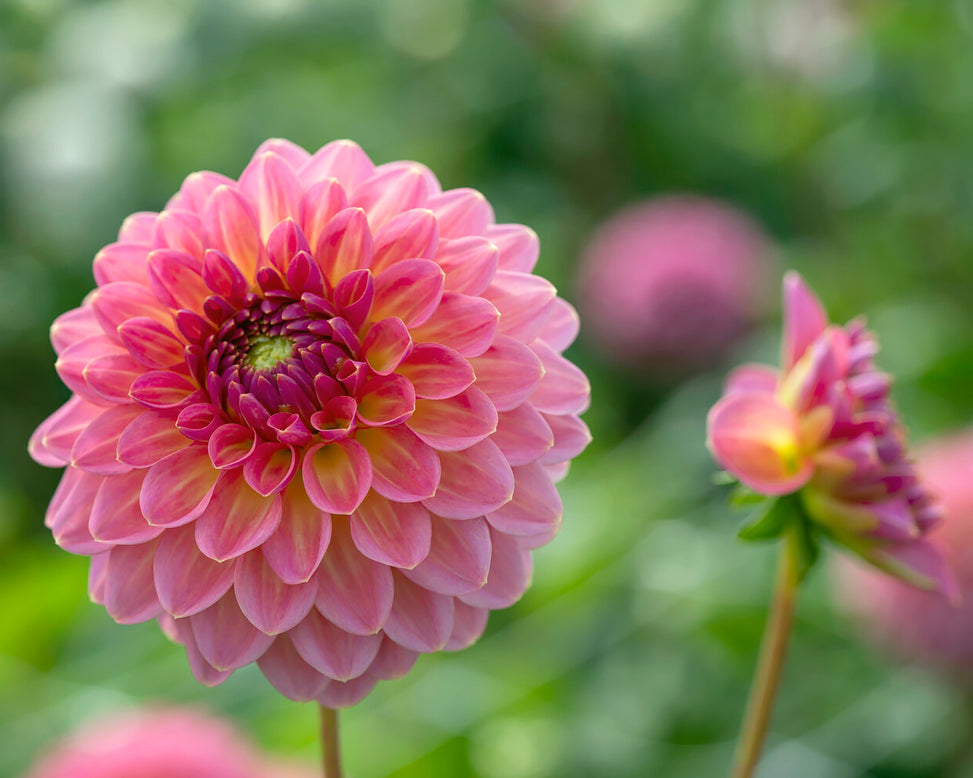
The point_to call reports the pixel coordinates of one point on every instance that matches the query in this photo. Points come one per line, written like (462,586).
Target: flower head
(671,282)
(158,743)
(823,425)
(317,417)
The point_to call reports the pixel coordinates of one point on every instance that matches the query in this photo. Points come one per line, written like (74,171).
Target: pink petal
(73,361)
(420,620)
(535,507)
(178,488)
(459,557)
(508,372)
(562,326)
(69,513)
(74,325)
(388,343)
(760,379)
(466,324)
(455,423)
(345,244)
(518,246)
(386,400)
(392,189)
(188,581)
(343,695)
(151,436)
(236,520)
(270,468)
(469,264)
(338,654)
(392,661)
(151,343)
(176,280)
(180,230)
(196,190)
(271,605)
(410,290)
(116,303)
(337,475)
(181,631)
(563,388)
(571,437)
(115,513)
(468,626)
(138,227)
(404,469)
(353,296)
(291,153)
(130,596)
(295,550)
(509,577)
(286,240)
(474,482)
(320,204)
(95,448)
(436,372)
(162,389)
(288,673)
(225,637)
(199,421)
(231,445)
(230,226)
(804,318)
(223,277)
(522,435)
(919,563)
(96,577)
(410,235)
(340,159)
(112,376)
(525,302)
(52,441)
(395,534)
(270,183)
(121,262)
(461,212)
(353,591)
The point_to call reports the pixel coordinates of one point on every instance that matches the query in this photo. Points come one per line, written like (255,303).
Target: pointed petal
(436,371)
(509,577)
(410,290)
(152,343)
(130,596)
(474,482)
(271,605)
(96,446)
(231,445)
(181,631)
(188,581)
(392,661)
(804,318)
(237,519)
(562,326)
(339,694)
(410,235)
(175,278)
(115,513)
(116,303)
(523,435)
(535,507)
(571,437)
(151,436)
(69,513)
(178,488)
(196,190)
(52,441)
(338,654)
(760,379)
(340,159)
(519,247)
(74,325)
(345,244)
(395,534)
(459,557)
(392,189)
(386,400)
(387,344)
(461,212)
(295,550)
(270,468)
(337,475)
(455,423)
(139,227)
(918,563)
(469,264)
(162,389)
(291,153)
(270,183)
(525,302)
(563,388)
(404,469)
(230,226)
(320,204)
(121,262)
(180,230)
(466,324)
(420,620)
(468,626)
(225,637)
(288,673)
(112,376)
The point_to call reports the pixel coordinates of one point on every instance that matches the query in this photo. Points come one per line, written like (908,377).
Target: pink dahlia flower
(318,414)
(914,623)
(673,281)
(823,426)
(158,743)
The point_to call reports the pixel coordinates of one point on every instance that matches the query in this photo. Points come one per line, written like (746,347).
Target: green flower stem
(773,648)
(330,754)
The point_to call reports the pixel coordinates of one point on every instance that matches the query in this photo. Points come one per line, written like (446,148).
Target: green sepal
(767,521)
(805,543)
(723,478)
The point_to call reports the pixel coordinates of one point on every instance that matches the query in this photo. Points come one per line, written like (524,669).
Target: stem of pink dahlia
(773,648)
(330,754)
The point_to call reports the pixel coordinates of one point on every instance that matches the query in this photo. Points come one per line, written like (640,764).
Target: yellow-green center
(266,353)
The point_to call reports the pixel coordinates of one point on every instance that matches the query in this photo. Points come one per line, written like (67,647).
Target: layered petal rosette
(318,415)
(823,426)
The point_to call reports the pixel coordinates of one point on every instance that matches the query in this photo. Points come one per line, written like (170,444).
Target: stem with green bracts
(330,753)
(773,649)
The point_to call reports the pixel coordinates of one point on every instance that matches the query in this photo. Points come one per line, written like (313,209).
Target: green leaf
(723,478)
(768,521)
(805,544)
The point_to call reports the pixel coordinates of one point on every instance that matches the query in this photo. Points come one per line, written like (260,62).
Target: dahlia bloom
(158,743)
(916,624)
(670,283)
(823,426)
(317,418)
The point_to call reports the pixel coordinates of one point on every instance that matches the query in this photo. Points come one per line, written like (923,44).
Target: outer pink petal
(469,264)
(115,513)
(130,596)
(409,235)
(294,155)
(151,343)
(71,364)
(236,520)
(340,159)
(760,379)
(456,423)
(139,227)
(392,189)
(461,212)
(525,302)
(230,226)
(225,637)
(196,190)
(162,389)
(96,577)
(395,534)
(337,475)
(562,326)
(96,446)
(509,577)
(181,230)
(52,441)
(535,508)
(74,325)
(353,591)
(289,674)
(338,654)
(112,376)
(181,631)
(519,247)
(563,388)
(392,661)
(345,244)
(404,469)
(320,204)
(188,581)
(508,372)
(295,550)
(468,625)
(466,324)
(175,278)
(116,303)
(409,290)
(459,557)
(919,563)
(523,435)
(151,436)
(343,695)
(474,482)
(178,488)
(270,183)
(436,371)
(571,437)
(271,605)
(804,318)
(420,620)
(70,510)
(121,262)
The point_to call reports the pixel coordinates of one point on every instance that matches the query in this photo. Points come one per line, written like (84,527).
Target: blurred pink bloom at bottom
(159,743)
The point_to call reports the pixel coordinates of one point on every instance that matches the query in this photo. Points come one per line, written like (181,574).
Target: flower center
(265,353)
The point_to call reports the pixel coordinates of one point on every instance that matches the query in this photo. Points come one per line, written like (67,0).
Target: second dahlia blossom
(317,418)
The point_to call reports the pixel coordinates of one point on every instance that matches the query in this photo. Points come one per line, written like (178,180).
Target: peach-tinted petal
(288,673)
(804,318)
(318,206)
(237,519)
(461,212)
(455,423)
(271,605)
(188,581)
(115,513)
(178,488)
(95,449)
(535,507)
(436,371)
(518,245)
(509,576)
(337,475)
(525,302)
(52,441)
(395,534)
(386,400)
(130,596)
(524,436)
(295,550)
(458,559)
(409,290)
(464,323)
(270,183)
(345,244)
(340,159)
(413,234)
(420,620)
(230,226)
(404,468)
(508,372)
(469,264)
(468,626)
(330,650)
(392,189)
(387,344)
(225,637)
(473,482)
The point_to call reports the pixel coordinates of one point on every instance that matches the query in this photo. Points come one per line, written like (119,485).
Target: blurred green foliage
(845,128)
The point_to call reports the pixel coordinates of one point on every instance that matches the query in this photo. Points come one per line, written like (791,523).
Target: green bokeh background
(844,128)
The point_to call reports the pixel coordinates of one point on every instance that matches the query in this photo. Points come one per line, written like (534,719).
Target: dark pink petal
(288,673)
(804,319)
(291,153)
(151,436)
(69,513)
(509,577)
(115,514)
(295,550)
(230,226)
(340,159)
(387,344)
(95,449)
(468,625)
(474,482)
(114,304)
(224,278)
(152,343)
(919,563)
(518,246)
(404,469)
(187,580)
(330,650)
(71,364)
(199,421)
(525,302)
(459,557)
(466,324)
(436,372)
(336,419)
(271,185)
(178,488)
(122,262)
(392,661)
(345,244)
(74,325)
(112,376)
(455,423)
(284,242)
(180,230)
(52,441)
(523,435)
(386,400)
(353,297)
(410,290)
(231,445)
(139,227)
(461,212)
(337,475)
(759,379)
(392,189)
(395,534)
(562,326)
(535,507)
(196,190)
(354,592)
(130,596)
(410,235)
(571,437)
(176,279)
(563,387)
(270,468)
(225,637)
(339,694)
(162,389)
(420,620)
(237,519)
(271,605)
(318,206)
(469,264)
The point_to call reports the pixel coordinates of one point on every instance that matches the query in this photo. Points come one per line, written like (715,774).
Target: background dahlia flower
(673,281)
(317,418)
(158,743)
(822,426)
